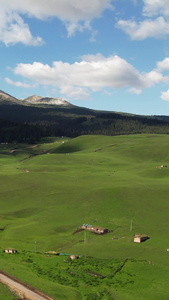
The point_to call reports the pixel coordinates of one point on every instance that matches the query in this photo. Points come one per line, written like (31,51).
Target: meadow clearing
(50,189)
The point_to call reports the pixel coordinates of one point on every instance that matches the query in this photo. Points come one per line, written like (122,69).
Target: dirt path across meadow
(21,289)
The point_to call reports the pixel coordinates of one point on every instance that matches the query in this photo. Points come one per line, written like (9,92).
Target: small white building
(74,257)
(139,238)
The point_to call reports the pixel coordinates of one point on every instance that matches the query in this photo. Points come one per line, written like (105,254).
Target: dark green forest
(34,124)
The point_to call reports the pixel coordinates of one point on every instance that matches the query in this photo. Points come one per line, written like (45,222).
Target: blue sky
(100,54)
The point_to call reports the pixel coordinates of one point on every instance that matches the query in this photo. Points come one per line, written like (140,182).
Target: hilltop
(37,116)
(38,100)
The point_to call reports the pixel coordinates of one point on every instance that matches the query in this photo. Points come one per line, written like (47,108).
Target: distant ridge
(7,98)
(33,100)
(36,117)
(2,93)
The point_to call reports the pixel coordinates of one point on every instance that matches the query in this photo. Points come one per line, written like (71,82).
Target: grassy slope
(101,180)
(6,293)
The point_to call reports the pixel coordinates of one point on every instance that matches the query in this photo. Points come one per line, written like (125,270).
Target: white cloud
(163,65)
(13,30)
(165,95)
(135,91)
(156,7)
(17,83)
(154,24)
(158,28)
(92,73)
(154,77)
(74,92)
(73,27)
(76,16)
(65,10)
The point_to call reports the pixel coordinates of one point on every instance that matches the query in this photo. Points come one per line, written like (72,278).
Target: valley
(98,180)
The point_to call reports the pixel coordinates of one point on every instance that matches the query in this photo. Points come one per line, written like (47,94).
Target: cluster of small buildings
(138,238)
(95,229)
(10,250)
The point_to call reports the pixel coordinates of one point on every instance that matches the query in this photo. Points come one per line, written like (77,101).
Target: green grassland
(50,189)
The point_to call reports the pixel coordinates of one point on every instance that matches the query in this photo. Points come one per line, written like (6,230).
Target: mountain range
(35,117)
(32,100)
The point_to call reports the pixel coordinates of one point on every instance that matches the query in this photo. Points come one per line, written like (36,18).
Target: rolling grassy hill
(50,189)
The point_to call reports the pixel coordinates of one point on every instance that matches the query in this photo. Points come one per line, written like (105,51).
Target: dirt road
(21,289)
